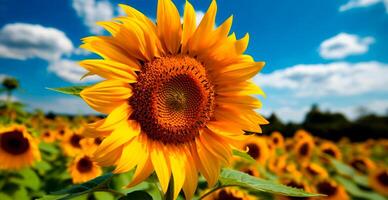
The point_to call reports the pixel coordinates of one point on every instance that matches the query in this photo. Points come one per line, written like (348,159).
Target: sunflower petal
(169,25)
(161,165)
(189,25)
(178,161)
(127,161)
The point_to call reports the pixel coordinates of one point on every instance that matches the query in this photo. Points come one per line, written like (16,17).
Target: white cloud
(70,71)
(343,45)
(338,78)
(361,4)
(92,11)
(22,41)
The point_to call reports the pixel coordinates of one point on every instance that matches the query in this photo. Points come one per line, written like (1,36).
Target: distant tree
(275,124)
(9,85)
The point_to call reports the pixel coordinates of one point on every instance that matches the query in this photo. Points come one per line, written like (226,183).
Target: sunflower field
(176,114)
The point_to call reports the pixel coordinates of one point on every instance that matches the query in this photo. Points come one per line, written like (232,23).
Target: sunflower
(330,149)
(48,136)
(230,193)
(277,164)
(251,170)
(18,148)
(315,171)
(277,139)
(362,164)
(304,148)
(378,180)
(177,95)
(83,168)
(90,144)
(333,190)
(301,134)
(257,148)
(71,145)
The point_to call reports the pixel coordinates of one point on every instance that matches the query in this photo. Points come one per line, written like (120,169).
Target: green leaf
(28,178)
(354,190)
(230,177)
(48,148)
(86,187)
(104,196)
(4,196)
(244,155)
(137,195)
(73,90)
(342,168)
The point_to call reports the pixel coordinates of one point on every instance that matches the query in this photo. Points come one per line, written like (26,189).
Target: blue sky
(334,52)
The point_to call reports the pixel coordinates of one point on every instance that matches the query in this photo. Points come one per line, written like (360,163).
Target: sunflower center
(383,178)
(84,165)
(14,143)
(304,149)
(329,152)
(359,165)
(254,150)
(172,99)
(224,195)
(74,141)
(327,188)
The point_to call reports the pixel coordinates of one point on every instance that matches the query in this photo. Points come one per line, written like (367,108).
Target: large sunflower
(18,148)
(178,96)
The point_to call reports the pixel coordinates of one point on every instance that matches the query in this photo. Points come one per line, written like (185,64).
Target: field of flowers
(44,154)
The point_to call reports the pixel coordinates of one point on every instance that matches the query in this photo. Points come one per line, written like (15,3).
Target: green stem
(215,189)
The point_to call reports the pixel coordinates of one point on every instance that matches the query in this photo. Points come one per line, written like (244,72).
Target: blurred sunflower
(230,193)
(48,136)
(82,169)
(257,148)
(251,170)
(71,143)
(330,149)
(177,95)
(378,180)
(90,144)
(302,134)
(362,164)
(277,139)
(315,171)
(277,164)
(333,190)
(304,148)
(18,148)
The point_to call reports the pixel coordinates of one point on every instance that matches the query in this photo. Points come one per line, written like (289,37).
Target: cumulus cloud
(92,11)
(343,45)
(69,70)
(22,41)
(338,78)
(361,4)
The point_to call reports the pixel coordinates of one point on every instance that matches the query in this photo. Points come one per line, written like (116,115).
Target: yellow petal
(161,165)
(169,25)
(127,160)
(191,181)
(122,134)
(224,128)
(189,25)
(216,145)
(247,101)
(178,160)
(242,44)
(210,165)
(107,95)
(109,49)
(238,89)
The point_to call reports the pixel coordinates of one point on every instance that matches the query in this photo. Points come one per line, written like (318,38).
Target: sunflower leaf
(137,195)
(354,190)
(342,168)
(72,90)
(231,177)
(84,188)
(243,154)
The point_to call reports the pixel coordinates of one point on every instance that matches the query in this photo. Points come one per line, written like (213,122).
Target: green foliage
(72,90)
(244,155)
(230,177)
(137,195)
(355,191)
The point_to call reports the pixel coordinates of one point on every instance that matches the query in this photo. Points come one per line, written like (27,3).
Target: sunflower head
(18,148)
(48,136)
(332,189)
(378,180)
(315,171)
(71,143)
(257,148)
(178,94)
(230,193)
(301,134)
(330,149)
(277,139)
(363,165)
(83,168)
(304,148)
